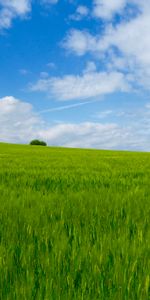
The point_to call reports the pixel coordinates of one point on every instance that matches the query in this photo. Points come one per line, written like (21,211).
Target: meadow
(74,224)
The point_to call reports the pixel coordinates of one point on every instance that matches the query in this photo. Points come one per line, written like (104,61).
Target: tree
(37,143)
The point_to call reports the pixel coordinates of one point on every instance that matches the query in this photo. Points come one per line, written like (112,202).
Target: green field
(74,224)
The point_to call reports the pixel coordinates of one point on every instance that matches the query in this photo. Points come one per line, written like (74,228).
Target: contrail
(65,107)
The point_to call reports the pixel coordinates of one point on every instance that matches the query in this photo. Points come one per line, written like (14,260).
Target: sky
(75,73)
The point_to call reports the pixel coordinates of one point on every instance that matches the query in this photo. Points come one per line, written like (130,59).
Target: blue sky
(75,73)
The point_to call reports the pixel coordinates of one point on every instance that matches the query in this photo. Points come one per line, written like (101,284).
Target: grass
(74,224)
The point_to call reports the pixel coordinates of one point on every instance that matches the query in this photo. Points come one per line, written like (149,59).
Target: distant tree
(37,143)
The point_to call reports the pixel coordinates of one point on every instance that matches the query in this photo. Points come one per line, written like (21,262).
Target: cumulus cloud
(127,8)
(80,42)
(10,9)
(124,46)
(90,84)
(85,135)
(90,67)
(81,12)
(97,135)
(19,124)
(106,9)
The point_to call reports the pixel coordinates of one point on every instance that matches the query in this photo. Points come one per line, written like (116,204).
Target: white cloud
(79,42)
(20,7)
(10,9)
(90,84)
(98,135)
(106,9)
(81,12)
(130,38)
(85,135)
(132,41)
(126,8)
(121,47)
(90,67)
(19,124)
(49,1)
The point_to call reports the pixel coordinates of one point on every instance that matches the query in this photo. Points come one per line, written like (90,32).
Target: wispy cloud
(65,107)
(88,85)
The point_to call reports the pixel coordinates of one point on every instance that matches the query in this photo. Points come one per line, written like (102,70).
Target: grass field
(74,224)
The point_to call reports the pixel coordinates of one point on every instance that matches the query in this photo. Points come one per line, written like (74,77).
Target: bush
(38,143)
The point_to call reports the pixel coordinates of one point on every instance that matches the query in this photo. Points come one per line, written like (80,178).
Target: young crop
(74,224)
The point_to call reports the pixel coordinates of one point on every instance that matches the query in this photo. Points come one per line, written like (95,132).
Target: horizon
(76,148)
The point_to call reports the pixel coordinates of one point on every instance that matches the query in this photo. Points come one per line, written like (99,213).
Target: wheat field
(74,224)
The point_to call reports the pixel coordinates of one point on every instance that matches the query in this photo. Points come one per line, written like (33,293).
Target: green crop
(74,224)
